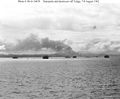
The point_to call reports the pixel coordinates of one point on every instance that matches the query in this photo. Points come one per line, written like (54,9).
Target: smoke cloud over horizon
(34,43)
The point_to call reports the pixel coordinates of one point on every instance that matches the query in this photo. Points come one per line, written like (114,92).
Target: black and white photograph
(59,49)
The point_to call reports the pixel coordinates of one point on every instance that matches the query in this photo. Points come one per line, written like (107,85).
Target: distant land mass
(67,55)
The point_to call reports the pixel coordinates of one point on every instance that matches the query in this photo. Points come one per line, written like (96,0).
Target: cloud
(2,47)
(34,44)
(100,46)
(29,43)
(55,45)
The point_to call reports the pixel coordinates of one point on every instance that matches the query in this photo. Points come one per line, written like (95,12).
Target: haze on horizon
(81,27)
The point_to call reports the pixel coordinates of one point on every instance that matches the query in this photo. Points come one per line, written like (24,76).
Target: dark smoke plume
(33,43)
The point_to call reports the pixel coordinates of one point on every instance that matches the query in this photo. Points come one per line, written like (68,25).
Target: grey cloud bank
(34,44)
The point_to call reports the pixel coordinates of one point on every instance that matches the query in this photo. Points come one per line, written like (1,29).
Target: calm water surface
(82,78)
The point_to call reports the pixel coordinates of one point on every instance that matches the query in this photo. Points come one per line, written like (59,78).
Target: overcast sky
(79,24)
